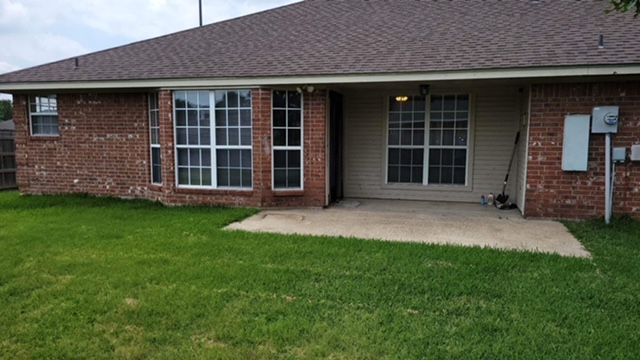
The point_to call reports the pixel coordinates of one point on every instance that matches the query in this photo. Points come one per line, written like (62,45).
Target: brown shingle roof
(317,37)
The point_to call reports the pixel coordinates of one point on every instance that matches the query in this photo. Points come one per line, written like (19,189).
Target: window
(448,139)
(43,111)
(406,140)
(287,140)
(213,145)
(440,157)
(154,129)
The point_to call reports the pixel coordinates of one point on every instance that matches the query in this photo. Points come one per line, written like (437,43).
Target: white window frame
(288,148)
(32,100)
(427,146)
(153,98)
(213,147)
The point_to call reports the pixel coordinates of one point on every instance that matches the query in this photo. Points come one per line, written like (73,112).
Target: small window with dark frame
(287,140)
(154,136)
(43,114)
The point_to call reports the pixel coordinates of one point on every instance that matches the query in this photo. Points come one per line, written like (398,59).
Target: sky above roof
(34,32)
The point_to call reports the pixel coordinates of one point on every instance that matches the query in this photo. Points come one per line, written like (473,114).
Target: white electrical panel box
(619,154)
(605,119)
(635,153)
(575,146)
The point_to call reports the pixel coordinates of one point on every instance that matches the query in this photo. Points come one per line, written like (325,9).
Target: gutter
(488,74)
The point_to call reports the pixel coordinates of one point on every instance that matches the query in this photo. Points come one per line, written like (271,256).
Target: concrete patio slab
(424,222)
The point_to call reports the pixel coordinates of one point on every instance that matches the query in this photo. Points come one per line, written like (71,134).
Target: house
(308,103)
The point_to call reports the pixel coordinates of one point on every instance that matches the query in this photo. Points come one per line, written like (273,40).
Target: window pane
(206,157)
(203,99)
(194,157)
(194,136)
(434,175)
(295,119)
(223,177)
(394,137)
(449,103)
(183,157)
(294,99)
(280,179)
(234,158)
(435,137)
(293,159)
(279,99)
(234,178)
(205,136)
(279,137)
(393,174)
(181,117)
(294,179)
(246,178)
(205,118)
(447,157)
(246,159)
(233,117)
(245,136)
(192,117)
(294,138)
(418,157)
(460,158)
(234,136)
(461,137)
(405,137)
(447,137)
(463,102)
(394,157)
(418,137)
(435,157)
(222,158)
(436,103)
(446,176)
(280,159)
(181,134)
(232,99)
(180,99)
(279,118)
(183,176)
(405,156)
(245,98)
(459,175)
(405,174)
(221,99)
(416,175)
(206,177)
(221,118)
(221,136)
(245,117)
(192,99)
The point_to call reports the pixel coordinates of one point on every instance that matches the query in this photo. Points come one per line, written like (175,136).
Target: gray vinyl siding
(494,123)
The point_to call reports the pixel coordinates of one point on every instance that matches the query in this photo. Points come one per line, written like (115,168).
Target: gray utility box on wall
(605,119)
(575,146)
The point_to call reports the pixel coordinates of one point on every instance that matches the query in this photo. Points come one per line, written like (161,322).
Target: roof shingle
(320,37)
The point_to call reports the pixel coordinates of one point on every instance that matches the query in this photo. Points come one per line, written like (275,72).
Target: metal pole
(607,179)
(200,5)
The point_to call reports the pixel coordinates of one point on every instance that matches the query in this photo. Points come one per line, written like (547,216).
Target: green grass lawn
(83,277)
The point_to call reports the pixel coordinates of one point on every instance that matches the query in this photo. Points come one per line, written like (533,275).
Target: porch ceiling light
(402,98)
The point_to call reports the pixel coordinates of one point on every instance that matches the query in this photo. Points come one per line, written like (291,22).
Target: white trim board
(212,83)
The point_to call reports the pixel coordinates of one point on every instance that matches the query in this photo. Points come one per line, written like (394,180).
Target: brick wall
(554,193)
(103,149)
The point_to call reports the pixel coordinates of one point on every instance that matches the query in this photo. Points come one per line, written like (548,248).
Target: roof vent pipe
(200,6)
(601,42)
(77,63)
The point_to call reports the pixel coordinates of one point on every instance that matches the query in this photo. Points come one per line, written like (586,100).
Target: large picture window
(43,113)
(213,144)
(287,140)
(428,153)
(154,136)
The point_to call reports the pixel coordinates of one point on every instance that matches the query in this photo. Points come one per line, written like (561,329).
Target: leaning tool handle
(513,154)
